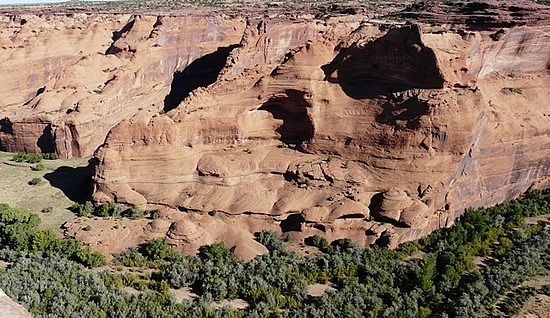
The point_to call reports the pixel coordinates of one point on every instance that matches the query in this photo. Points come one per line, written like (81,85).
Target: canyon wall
(309,124)
(68,79)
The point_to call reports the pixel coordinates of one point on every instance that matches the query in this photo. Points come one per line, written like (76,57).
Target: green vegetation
(36,181)
(34,158)
(513,90)
(38,167)
(19,234)
(108,70)
(27,157)
(108,209)
(50,156)
(464,271)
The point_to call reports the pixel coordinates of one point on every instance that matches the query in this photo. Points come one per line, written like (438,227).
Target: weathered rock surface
(362,110)
(340,126)
(77,83)
(11,309)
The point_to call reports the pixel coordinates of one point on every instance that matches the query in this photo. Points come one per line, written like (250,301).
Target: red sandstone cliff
(336,126)
(362,109)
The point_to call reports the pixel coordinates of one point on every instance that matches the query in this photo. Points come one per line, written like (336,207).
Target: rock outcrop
(310,136)
(11,309)
(339,126)
(82,78)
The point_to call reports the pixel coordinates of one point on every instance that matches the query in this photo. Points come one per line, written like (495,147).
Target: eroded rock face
(312,137)
(72,78)
(337,126)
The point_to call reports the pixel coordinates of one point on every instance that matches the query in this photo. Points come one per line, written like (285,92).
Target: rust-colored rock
(357,120)
(69,83)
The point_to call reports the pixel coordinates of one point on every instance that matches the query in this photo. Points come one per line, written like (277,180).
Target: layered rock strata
(339,125)
(80,78)
(309,123)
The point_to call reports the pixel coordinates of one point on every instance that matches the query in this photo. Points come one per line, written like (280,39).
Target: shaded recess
(46,141)
(5,128)
(200,73)
(293,223)
(76,183)
(403,113)
(292,108)
(352,216)
(40,90)
(396,62)
(117,35)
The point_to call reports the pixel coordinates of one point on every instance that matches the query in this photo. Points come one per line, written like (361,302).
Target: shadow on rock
(76,183)
(396,62)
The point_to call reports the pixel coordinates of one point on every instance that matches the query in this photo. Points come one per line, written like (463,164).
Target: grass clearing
(63,182)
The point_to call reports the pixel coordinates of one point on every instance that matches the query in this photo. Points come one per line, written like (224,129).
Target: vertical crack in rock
(200,73)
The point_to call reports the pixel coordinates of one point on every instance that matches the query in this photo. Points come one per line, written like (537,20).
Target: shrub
(50,156)
(214,251)
(27,157)
(35,181)
(133,213)
(158,249)
(270,239)
(38,167)
(154,214)
(90,259)
(514,90)
(131,258)
(48,209)
(17,226)
(318,241)
(107,209)
(85,209)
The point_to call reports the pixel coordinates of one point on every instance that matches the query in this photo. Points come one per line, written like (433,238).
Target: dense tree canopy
(433,277)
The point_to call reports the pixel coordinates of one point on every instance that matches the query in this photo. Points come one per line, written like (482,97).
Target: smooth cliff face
(336,126)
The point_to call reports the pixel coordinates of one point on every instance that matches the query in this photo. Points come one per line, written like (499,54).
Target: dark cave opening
(291,108)
(200,73)
(5,128)
(46,142)
(293,223)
